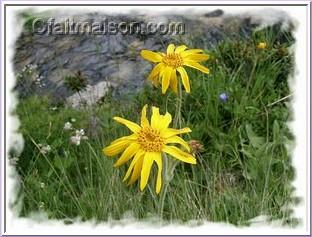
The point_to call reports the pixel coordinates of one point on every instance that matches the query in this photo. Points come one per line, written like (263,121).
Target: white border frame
(301,128)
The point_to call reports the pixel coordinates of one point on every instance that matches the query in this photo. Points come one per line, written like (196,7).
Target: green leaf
(63,162)
(247,153)
(276,131)
(255,140)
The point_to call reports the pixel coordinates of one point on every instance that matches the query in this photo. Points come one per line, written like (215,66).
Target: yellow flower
(146,145)
(262,45)
(172,62)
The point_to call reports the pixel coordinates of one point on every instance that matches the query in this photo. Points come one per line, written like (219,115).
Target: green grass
(244,171)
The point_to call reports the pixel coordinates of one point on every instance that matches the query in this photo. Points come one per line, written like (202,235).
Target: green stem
(177,116)
(170,164)
(164,189)
(168,171)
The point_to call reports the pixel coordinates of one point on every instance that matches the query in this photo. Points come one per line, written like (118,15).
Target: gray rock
(215,13)
(114,60)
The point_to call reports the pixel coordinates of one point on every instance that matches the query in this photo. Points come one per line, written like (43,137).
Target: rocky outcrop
(114,59)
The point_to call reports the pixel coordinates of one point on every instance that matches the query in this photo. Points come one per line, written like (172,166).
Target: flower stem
(177,116)
(170,164)
(168,171)
(164,189)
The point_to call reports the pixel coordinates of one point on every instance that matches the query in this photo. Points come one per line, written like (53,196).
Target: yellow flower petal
(197,57)
(155,81)
(155,72)
(166,133)
(127,154)
(262,45)
(190,51)
(155,117)
(180,49)
(180,155)
(144,121)
(137,157)
(131,137)
(151,56)
(136,171)
(178,140)
(158,160)
(160,122)
(196,66)
(164,121)
(174,81)
(116,147)
(170,48)
(185,79)
(162,71)
(131,125)
(166,79)
(146,169)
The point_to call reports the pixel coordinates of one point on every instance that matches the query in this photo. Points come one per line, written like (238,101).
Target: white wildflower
(45,149)
(42,185)
(75,140)
(68,126)
(80,133)
(73,120)
(41,204)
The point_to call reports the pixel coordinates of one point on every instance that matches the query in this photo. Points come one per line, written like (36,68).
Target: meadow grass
(244,170)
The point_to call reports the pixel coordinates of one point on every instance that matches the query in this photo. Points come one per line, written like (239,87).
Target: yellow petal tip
(116,118)
(194,161)
(116,165)
(104,151)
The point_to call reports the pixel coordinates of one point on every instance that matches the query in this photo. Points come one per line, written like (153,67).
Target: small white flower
(75,140)
(48,148)
(54,108)
(73,120)
(42,185)
(45,149)
(80,133)
(41,204)
(68,126)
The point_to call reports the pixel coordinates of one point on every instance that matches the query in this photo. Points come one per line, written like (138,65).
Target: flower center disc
(173,60)
(150,140)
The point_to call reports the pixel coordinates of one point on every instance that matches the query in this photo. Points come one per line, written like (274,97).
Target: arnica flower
(262,45)
(172,62)
(146,145)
